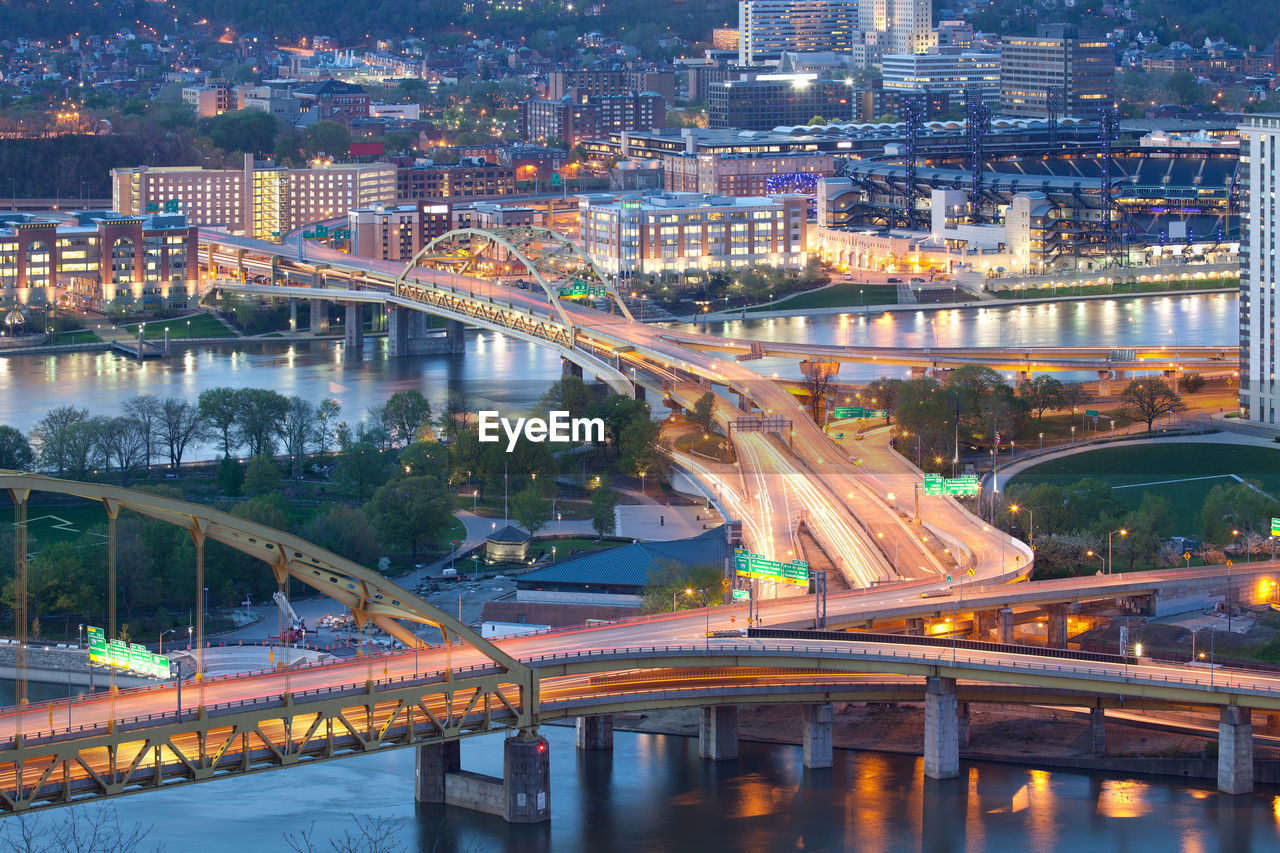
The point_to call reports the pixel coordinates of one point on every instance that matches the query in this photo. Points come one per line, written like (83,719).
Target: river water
(653,793)
(509,375)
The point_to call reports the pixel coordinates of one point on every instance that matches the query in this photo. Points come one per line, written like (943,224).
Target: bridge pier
(434,762)
(569,368)
(718,733)
(1098,731)
(595,732)
(353,332)
(744,402)
(941,729)
(915,627)
(1235,750)
(817,724)
(962,724)
(1172,377)
(397,331)
(456,333)
(526,778)
(984,624)
(1056,631)
(293,314)
(1006,625)
(1104,383)
(319,316)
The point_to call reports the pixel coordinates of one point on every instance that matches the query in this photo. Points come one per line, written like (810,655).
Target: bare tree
(818,384)
(121,443)
(179,426)
(52,440)
(297,430)
(75,829)
(1150,397)
(147,411)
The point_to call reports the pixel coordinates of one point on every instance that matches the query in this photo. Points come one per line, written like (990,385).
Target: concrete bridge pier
(1056,633)
(293,314)
(353,332)
(1104,383)
(456,333)
(637,391)
(941,729)
(1235,750)
(397,331)
(817,724)
(569,368)
(435,761)
(984,623)
(1006,625)
(595,732)
(744,402)
(319,316)
(526,778)
(1098,731)
(918,371)
(1172,377)
(718,733)
(915,627)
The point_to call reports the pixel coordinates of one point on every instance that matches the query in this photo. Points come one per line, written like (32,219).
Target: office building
(641,234)
(767,101)
(1260,176)
(209,101)
(767,28)
(258,199)
(397,232)
(471,177)
(948,70)
(1056,62)
(579,116)
(740,175)
(595,82)
(97,260)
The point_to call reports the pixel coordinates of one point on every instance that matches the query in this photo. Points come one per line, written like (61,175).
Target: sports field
(1181,472)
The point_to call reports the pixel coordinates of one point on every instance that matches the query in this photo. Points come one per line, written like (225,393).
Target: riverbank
(992,302)
(1022,735)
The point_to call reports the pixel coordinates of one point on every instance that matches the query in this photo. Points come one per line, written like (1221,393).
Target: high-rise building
(578,116)
(769,27)
(1057,63)
(910,26)
(771,100)
(1259,175)
(949,70)
(260,200)
(397,232)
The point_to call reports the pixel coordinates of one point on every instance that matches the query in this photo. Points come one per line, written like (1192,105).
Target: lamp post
(80,635)
(1031,521)
(161,641)
(674,595)
(1042,441)
(1122,532)
(1100,557)
(475,500)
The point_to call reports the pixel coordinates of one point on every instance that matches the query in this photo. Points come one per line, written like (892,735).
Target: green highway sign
(759,567)
(741,594)
(555,179)
(871,414)
(580,290)
(935,485)
(848,412)
(1090,413)
(132,657)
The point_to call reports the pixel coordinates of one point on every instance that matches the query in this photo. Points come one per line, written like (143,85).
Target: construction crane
(297,628)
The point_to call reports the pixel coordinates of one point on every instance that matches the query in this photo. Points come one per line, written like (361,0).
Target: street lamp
(475,499)
(1100,557)
(1122,532)
(706,610)
(161,641)
(1042,441)
(1031,521)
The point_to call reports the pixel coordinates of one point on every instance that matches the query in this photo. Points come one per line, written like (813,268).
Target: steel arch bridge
(552,259)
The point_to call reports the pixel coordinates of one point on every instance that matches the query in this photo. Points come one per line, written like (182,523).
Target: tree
(52,438)
(146,410)
(1149,397)
(645,453)
(531,508)
(818,385)
(456,417)
(567,394)
(247,131)
(1042,394)
(297,431)
(604,515)
(326,421)
(15,450)
(178,427)
(1192,383)
(329,137)
(1239,506)
(404,414)
(618,412)
(882,393)
(361,467)
(1074,396)
(230,476)
(704,411)
(121,443)
(75,829)
(669,582)
(411,510)
(262,476)
(219,408)
(346,532)
(260,413)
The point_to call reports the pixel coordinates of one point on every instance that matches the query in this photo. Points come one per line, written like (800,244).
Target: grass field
(49,523)
(842,295)
(1095,289)
(1158,464)
(198,326)
(80,336)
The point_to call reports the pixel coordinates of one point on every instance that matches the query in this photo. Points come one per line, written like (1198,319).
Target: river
(653,793)
(509,375)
